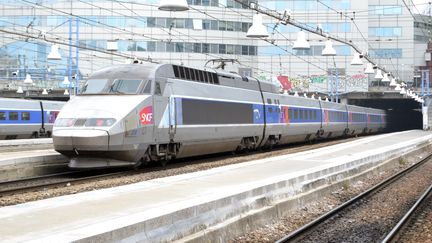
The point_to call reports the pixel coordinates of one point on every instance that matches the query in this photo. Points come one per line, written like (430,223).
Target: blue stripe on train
(275,114)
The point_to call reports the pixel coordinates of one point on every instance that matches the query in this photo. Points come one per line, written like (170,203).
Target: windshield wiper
(115,91)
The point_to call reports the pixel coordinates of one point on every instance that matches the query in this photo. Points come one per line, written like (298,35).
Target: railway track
(412,216)
(355,220)
(53,180)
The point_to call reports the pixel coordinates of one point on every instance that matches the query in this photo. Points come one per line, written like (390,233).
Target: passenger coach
(131,114)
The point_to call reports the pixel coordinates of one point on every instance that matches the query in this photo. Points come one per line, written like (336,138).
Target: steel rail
(313,224)
(62,181)
(396,230)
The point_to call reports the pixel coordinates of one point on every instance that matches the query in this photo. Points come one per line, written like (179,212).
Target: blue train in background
(20,118)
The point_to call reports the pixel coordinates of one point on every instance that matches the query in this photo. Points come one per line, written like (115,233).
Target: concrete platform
(194,206)
(21,164)
(18,142)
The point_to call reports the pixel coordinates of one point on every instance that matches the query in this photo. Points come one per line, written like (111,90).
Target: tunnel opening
(402,114)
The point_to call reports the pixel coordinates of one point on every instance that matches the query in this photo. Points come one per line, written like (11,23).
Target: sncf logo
(146,115)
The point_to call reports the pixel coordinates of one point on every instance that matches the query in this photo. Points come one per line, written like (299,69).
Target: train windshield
(125,86)
(94,86)
(117,86)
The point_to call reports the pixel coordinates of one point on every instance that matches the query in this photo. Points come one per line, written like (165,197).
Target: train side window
(315,115)
(187,72)
(270,109)
(176,71)
(301,114)
(13,116)
(25,116)
(296,114)
(215,78)
(192,73)
(201,76)
(205,77)
(290,114)
(182,73)
(2,116)
(210,78)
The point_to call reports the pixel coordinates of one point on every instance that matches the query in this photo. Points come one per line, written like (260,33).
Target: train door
(172,117)
(164,112)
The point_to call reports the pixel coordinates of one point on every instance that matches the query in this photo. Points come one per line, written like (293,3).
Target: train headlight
(65,122)
(100,122)
(90,122)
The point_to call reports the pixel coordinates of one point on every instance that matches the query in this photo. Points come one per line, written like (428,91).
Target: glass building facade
(211,29)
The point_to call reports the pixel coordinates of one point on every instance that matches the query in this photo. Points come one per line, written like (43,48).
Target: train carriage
(133,114)
(20,118)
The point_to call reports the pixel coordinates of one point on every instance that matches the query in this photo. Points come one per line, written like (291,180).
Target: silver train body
(20,118)
(133,114)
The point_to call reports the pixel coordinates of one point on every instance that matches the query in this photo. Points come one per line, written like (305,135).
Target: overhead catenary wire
(352,18)
(109,26)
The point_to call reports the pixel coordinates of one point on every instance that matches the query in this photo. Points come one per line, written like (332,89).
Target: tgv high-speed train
(131,114)
(21,118)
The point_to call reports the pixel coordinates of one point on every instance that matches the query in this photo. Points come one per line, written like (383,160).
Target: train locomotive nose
(82,140)
(99,132)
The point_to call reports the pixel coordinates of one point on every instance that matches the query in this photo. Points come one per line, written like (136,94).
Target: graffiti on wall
(320,83)
(346,83)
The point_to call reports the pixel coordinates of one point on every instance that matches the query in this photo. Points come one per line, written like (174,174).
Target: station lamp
(385,78)
(66,81)
(173,5)
(20,90)
(301,42)
(398,87)
(44,92)
(369,69)
(379,75)
(66,92)
(296,94)
(329,50)
(356,61)
(54,53)
(393,82)
(28,79)
(257,30)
